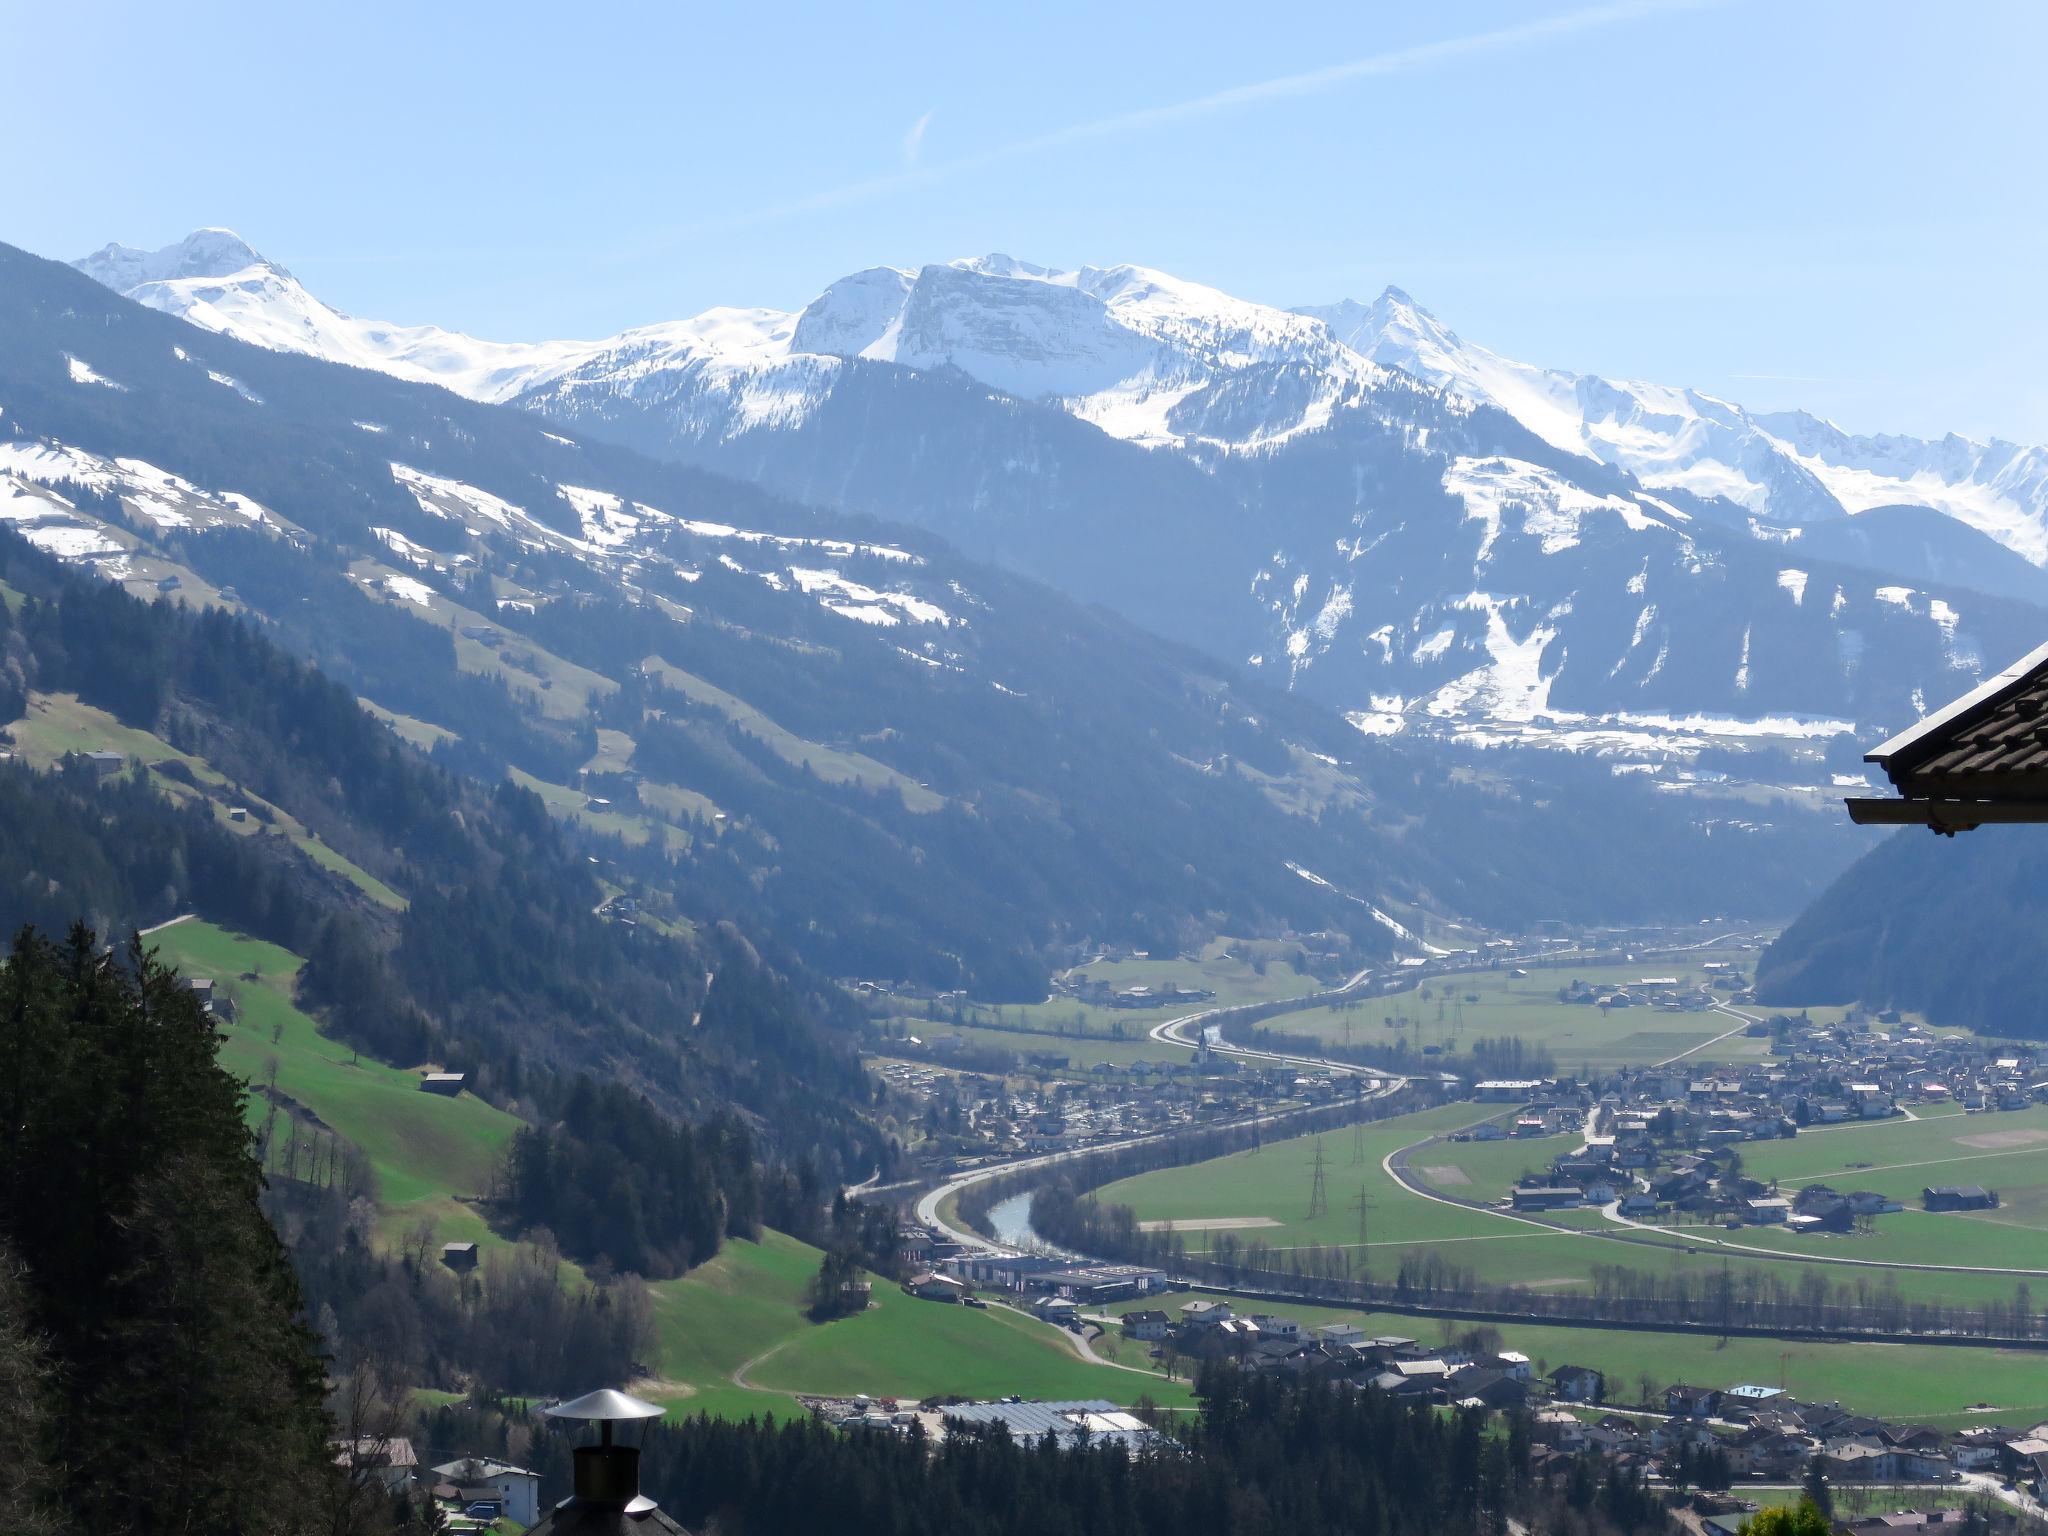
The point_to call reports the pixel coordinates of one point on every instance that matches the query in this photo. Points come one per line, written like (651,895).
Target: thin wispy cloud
(913,141)
(1313,82)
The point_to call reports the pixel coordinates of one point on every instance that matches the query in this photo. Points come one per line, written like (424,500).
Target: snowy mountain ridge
(1432,538)
(1140,354)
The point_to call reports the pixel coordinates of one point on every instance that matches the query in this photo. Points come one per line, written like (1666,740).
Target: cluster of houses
(1106,994)
(1765,1433)
(973,1116)
(1864,1067)
(470,1493)
(1659,1143)
(1071,1424)
(1665,994)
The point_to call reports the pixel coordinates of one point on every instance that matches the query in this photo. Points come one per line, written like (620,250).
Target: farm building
(933,1287)
(1957,1197)
(448,1084)
(98,766)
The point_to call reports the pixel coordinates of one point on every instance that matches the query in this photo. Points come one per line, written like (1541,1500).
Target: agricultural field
(1264,1192)
(1491,1004)
(1237,971)
(2005,1152)
(1922,1383)
(1264,1195)
(1487,1170)
(742,1314)
(1448,1010)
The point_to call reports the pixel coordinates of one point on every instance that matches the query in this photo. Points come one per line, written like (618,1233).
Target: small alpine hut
(1980,759)
(608,1500)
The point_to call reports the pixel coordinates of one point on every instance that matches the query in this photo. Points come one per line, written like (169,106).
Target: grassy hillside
(60,723)
(425,1150)
(432,1155)
(743,1313)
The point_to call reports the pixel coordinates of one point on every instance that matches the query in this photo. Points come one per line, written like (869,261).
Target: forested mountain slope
(1953,928)
(1430,537)
(905,763)
(442,921)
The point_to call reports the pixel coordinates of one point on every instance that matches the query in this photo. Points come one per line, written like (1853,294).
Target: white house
(518,1488)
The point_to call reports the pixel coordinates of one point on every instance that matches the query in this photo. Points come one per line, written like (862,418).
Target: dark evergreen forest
(1267,1456)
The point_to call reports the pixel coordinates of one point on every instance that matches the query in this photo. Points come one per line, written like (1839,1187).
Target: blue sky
(1832,204)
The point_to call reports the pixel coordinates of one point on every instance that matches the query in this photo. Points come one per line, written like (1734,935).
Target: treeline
(1955,929)
(155,1371)
(119,855)
(1265,1457)
(1763,1298)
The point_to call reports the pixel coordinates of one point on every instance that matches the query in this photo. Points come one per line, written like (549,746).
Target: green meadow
(431,1156)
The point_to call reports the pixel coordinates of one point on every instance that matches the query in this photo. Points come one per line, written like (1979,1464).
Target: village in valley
(1838,1135)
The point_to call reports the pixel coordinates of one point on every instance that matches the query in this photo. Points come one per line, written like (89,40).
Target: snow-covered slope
(214,279)
(1788,467)
(1122,347)
(1596,564)
(1146,357)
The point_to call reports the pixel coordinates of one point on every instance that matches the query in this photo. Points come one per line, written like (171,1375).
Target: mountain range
(777,610)
(904,763)
(1351,498)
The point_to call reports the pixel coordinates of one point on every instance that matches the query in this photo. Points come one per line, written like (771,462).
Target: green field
(1487,1170)
(1271,1185)
(630,826)
(1268,1190)
(1926,1384)
(1230,968)
(743,1311)
(2006,1152)
(1494,1003)
(426,1151)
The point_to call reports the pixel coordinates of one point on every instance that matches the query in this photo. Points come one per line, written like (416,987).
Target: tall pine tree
(175,1385)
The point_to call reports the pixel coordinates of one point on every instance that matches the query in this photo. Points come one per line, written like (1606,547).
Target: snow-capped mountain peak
(203,253)
(1141,354)
(217,280)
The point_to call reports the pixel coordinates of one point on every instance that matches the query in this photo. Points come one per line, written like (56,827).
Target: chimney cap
(605,1404)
